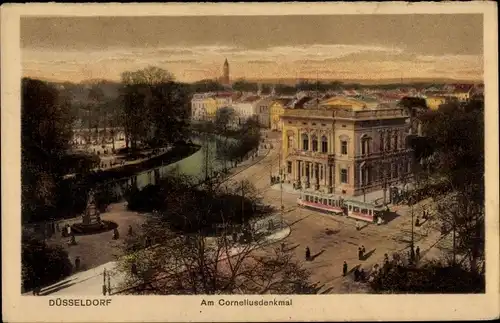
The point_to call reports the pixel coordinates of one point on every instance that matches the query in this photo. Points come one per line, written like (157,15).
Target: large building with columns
(345,146)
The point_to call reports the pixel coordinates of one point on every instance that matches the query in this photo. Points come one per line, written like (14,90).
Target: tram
(368,212)
(328,203)
(332,204)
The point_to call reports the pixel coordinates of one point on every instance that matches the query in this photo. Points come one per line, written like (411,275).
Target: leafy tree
(42,265)
(45,135)
(155,107)
(96,97)
(245,86)
(429,278)
(224,120)
(455,135)
(282,89)
(204,86)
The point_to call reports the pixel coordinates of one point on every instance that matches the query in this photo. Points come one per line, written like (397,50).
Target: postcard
(250,162)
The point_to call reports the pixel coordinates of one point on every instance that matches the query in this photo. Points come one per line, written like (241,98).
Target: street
(334,239)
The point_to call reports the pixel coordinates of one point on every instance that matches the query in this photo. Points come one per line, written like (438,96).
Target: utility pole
(242,203)
(412,244)
(384,167)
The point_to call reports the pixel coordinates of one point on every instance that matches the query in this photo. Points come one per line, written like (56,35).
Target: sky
(340,47)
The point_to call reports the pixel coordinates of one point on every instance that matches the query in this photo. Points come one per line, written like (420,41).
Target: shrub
(42,264)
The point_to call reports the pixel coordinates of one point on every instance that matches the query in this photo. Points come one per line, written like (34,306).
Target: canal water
(195,165)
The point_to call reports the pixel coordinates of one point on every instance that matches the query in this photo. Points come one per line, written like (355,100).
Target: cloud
(260,61)
(324,60)
(179,61)
(377,56)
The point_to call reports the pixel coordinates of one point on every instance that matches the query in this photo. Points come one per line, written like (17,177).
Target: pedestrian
(417,251)
(77,263)
(72,240)
(282,246)
(417,222)
(356,274)
(133,269)
(357,225)
(308,254)
(386,258)
(363,250)
(360,253)
(362,275)
(344,269)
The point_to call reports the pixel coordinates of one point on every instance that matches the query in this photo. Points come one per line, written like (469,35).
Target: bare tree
(228,263)
(200,247)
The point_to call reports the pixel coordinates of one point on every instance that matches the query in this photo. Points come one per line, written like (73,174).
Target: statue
(91,214)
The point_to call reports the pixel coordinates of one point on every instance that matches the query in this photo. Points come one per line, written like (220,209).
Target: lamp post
(104,289)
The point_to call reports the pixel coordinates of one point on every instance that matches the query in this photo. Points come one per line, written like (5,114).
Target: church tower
(225,76)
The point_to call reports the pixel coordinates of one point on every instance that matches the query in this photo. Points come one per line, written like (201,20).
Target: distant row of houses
(268,109)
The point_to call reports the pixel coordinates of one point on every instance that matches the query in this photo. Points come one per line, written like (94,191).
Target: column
(309,177)
(361,176)
(317,172)
(325,174)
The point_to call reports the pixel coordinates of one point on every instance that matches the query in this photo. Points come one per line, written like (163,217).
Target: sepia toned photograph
(249,159)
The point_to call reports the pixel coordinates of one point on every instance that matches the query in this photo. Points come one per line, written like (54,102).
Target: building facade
(246,108)
(346,149)
(263,112)
(434,102)
(203,107)
(276,111)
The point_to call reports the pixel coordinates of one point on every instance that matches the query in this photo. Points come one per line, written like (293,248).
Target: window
(388,142)
(323,124)
(324,144)
(343,175)
(304,123)
(395,142)
(393,171)
(290,141)
(314,123)
(381,142)
(381,171)
(315,143)
(305,142)
(355,209)
(289,167)
(343,147)
(289,122)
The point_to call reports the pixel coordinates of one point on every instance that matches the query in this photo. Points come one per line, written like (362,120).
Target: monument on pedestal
(91,219)
(92,214)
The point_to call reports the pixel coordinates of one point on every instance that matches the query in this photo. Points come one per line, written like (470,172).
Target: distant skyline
(361,47)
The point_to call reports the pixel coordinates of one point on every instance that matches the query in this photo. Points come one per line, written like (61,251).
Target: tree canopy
(45,135)
(155,107)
